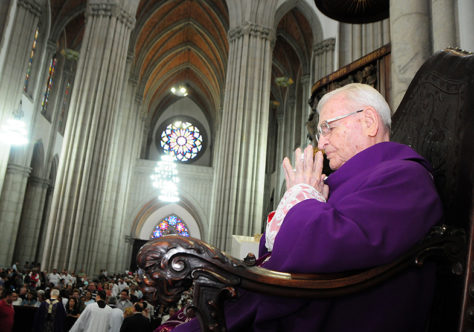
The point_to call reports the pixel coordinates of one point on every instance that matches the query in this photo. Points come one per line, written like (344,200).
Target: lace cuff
(293,196)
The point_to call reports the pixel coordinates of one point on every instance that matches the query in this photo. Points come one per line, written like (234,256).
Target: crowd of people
(65,301)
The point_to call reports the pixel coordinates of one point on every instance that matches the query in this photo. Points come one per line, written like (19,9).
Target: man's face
(76,295)
(123,296)
(14,296)
(9,299)
(345,137)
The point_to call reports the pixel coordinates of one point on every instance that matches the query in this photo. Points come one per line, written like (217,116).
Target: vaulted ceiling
(185,42)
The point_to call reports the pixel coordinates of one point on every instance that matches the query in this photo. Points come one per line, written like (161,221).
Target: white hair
(55,292)
(361,95)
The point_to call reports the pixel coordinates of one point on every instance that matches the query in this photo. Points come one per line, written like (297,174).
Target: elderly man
(379,201)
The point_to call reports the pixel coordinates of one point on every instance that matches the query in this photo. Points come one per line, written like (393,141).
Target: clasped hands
(307,170)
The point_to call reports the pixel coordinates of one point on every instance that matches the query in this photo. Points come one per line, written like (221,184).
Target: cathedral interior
(105,88)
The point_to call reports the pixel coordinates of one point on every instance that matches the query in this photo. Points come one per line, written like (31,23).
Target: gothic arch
(155,210)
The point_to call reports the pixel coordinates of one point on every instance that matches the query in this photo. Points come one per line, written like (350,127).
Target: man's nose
(322,141)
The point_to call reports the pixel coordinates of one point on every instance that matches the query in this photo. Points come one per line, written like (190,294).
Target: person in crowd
(72,313)
(89,298)
(7,313)
(51,314)
(30,299)
(76,293)
(379,201)
(136,322)
(122,284)
(16,299)
(124,302)
(95,317)
(54,278)
(117,315)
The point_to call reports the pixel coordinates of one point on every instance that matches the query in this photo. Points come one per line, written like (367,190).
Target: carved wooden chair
(436,119)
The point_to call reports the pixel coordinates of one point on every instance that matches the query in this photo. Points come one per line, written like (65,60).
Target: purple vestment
(381,202)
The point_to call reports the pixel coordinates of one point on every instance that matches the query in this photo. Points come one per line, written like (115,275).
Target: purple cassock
(381,202)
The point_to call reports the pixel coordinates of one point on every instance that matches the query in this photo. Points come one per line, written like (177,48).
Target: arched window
(49,83)
(30,61)
(183,139)
(170,225)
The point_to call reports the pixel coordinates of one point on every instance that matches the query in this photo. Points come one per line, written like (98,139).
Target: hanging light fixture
(166,179)
(180,91)
(14,130)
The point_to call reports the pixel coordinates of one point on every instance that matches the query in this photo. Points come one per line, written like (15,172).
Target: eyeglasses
(324,129)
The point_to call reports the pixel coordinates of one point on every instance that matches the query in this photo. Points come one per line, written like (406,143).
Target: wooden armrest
(172,263)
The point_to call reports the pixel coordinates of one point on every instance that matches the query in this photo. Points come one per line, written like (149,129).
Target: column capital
(51,46)
(18,169)
(110,10)
(40,182)
(70,54)
(138,98)
(252,29)
(31,6)
(133,78)
(305,78)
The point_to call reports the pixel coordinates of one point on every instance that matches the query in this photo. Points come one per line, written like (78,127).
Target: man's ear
(371,121)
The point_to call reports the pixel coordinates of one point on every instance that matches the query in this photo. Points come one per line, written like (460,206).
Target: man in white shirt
(96,317)
(54,278)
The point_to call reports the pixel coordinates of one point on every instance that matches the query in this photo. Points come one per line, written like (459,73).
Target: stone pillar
(280,154)
(124,155)
(30,221)
(323,55)
(289,124)
(409,49)
(329,45)
(345,44)
(14,67)
(443,20)
(240,167)
(356,41)
(13,192)
(385,31)
(466,24)
(81,189)
(306,109)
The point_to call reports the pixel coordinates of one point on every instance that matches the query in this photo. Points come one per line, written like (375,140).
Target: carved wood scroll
(172,263)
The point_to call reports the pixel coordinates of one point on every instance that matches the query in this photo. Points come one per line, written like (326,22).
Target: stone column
(323,55)
(443,20)
(280,154)
(356,41)
(306,109)
(409,49)
(124,155)
(73,240)
(30,221)
(466,24)
(240,169)
(13,192)
(289,124)
(14,67)
(329,45)
(317,62)
(345,44)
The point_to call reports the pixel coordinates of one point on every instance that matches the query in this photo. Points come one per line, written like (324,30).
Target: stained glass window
(30,61)
(183,139)
(170,225)
(49,86)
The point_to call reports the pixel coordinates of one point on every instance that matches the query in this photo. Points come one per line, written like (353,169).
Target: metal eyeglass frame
(324,129)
